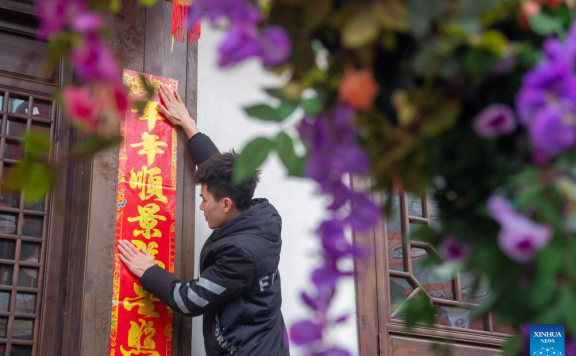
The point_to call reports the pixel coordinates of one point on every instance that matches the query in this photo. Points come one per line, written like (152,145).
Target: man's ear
(228,204)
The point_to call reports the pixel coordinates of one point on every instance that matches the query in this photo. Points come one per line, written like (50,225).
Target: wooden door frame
(144,34)
(75,316)
(373,301)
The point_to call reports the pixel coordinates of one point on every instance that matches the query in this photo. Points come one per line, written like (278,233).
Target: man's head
(222,201)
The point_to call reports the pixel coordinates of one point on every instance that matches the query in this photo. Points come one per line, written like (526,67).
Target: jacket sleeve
(231,274)
(201,148)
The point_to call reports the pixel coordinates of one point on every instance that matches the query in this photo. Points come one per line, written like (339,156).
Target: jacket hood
(261,219)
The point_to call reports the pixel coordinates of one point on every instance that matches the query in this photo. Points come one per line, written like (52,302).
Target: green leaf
(115,5)
(421,15)
(311,106)
(286,109)
(549,260)
(493,41)
(251,157)
(147,87)
(418,309)
(37,179)
(267,113)
(360,30)
(546,25)
(315,12)
(263,112)
(543,289)
(93,144)
(140,105)
(513,346)
(472,8)
(37,144)
(568,305)
(443,118)
(147,2)
(285,148)
(392,15)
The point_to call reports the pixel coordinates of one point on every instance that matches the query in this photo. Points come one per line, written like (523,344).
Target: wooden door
(143,36)
(56,256)
(397,271)
(33,257)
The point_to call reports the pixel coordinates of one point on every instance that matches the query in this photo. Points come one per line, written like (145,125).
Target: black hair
(217,172)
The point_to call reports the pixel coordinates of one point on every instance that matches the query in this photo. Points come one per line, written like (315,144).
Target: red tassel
(179,16)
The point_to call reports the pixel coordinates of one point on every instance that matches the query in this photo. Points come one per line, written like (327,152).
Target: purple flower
(453,250)
(365,214)
(546,102)
(237,11)
(550,135)
(57,15)
(240,43)
(305,332)
(519,238)
(275,45)
(243,41)
(333,239)
(495,120)
(326,276)
(93,60)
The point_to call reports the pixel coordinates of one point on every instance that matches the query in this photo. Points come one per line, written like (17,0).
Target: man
(238,290)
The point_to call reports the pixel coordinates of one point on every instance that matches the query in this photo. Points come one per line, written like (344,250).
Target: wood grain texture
(129,36)
(161,60)
(403,346)
(366,291)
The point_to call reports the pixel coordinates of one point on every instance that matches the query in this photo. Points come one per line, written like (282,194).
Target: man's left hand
(137,261)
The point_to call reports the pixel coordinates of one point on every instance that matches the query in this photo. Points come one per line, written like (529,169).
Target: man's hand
(137,261)
(175,111)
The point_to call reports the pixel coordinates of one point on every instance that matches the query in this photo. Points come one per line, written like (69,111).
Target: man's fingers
(145,252)
(163,110)
(178,97)
(125,261)
(124,248)
(168,94)
(131,246)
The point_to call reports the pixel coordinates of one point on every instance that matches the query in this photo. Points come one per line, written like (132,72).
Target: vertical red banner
(145,215)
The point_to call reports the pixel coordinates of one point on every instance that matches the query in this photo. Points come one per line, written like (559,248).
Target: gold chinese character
(150,114)
(137,346)
(144,302)
(148,220)
(152,249)
(150,183)
(150,146)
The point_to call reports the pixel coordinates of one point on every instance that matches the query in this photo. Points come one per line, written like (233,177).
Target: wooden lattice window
(23,228)
(410,276)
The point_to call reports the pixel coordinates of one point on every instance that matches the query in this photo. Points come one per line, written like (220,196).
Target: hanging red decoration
(179,15)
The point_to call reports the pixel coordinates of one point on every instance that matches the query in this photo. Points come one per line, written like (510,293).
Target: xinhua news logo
(547,340)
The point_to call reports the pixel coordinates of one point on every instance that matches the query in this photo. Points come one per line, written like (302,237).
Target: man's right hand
(175,111)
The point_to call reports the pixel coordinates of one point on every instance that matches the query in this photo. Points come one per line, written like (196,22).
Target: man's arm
(200,146)
(231,275)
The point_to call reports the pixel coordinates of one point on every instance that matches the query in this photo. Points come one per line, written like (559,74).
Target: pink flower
(453,250)
(58,15)
(93,60)
(519,238)
(80,106)
(495,120)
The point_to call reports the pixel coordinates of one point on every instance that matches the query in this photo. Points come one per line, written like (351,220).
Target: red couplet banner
(145,215)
